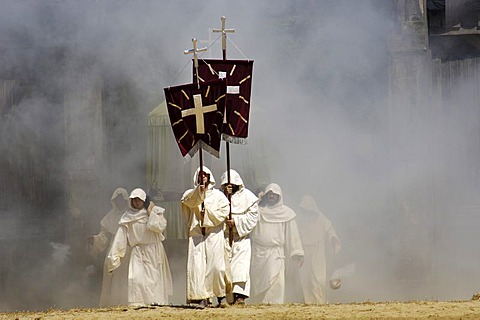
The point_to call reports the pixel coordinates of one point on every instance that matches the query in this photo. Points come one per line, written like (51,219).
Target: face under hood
(119,192)
(205,169)
(234,178)
(275,188)
(278,212)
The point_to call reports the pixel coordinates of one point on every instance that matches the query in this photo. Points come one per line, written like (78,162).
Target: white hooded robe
(205,260)
(149,277)
(274,239)
(245,214)
(315,232)
(114,284)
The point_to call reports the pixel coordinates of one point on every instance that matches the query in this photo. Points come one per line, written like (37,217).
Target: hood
(119,191)
(110,220)
(275,188)
(308,203)
(234,179)
(278,212)
(138,193)
(205,169)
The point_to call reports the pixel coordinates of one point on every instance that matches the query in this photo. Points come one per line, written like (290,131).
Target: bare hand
(150,207)
(230,223)
(203,179)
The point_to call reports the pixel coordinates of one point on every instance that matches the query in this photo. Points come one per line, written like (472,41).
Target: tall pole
(195,51)
(224,32)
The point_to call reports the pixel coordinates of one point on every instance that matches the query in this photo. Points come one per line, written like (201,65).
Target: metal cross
(195,58)
(198,110)
(224,36)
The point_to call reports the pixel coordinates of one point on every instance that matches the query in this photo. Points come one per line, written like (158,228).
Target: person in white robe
(141,228)
(114,284)
(274,239)
(244,209)
(317,234)
(205,210)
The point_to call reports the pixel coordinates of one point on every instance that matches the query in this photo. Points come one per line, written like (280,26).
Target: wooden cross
(198,110)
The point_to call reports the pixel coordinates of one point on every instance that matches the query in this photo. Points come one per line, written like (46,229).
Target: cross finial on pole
(224,36)
(224,51)
(195,58)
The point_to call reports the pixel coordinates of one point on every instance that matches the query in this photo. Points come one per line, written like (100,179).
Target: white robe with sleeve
(274,239)
(205,260)
(316,231)
(114,284)
(245,215)
(149,277)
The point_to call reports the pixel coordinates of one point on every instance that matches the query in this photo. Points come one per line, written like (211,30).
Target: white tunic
(149,277)
(274,239)
(245,215)
(315,232)
(205,261)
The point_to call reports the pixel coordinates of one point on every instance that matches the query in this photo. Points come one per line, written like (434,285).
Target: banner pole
(227,144)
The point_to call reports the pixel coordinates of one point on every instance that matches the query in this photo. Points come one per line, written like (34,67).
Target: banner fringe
(232,139)
(205,147)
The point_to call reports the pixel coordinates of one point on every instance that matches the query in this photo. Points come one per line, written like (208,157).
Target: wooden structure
(434,112)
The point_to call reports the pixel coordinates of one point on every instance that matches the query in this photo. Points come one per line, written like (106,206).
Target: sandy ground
(366,310)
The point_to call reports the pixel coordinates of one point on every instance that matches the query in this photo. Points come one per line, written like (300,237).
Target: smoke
(392,176)
(60,253)
(342,272)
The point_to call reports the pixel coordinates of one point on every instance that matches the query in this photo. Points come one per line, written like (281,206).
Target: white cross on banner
(198,110)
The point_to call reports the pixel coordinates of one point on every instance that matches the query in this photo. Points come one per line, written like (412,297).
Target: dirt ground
(366,310)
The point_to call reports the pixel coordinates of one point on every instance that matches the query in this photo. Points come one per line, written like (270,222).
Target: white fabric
(138,193)
(245,214)
(277,212)
(114,285)
(238,264)
(316,231)
(273,241)
(149,277)
(109,223)
(244,205)
(205,261)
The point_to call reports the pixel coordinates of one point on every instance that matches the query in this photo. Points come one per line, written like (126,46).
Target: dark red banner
(196,115)
(238,75)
